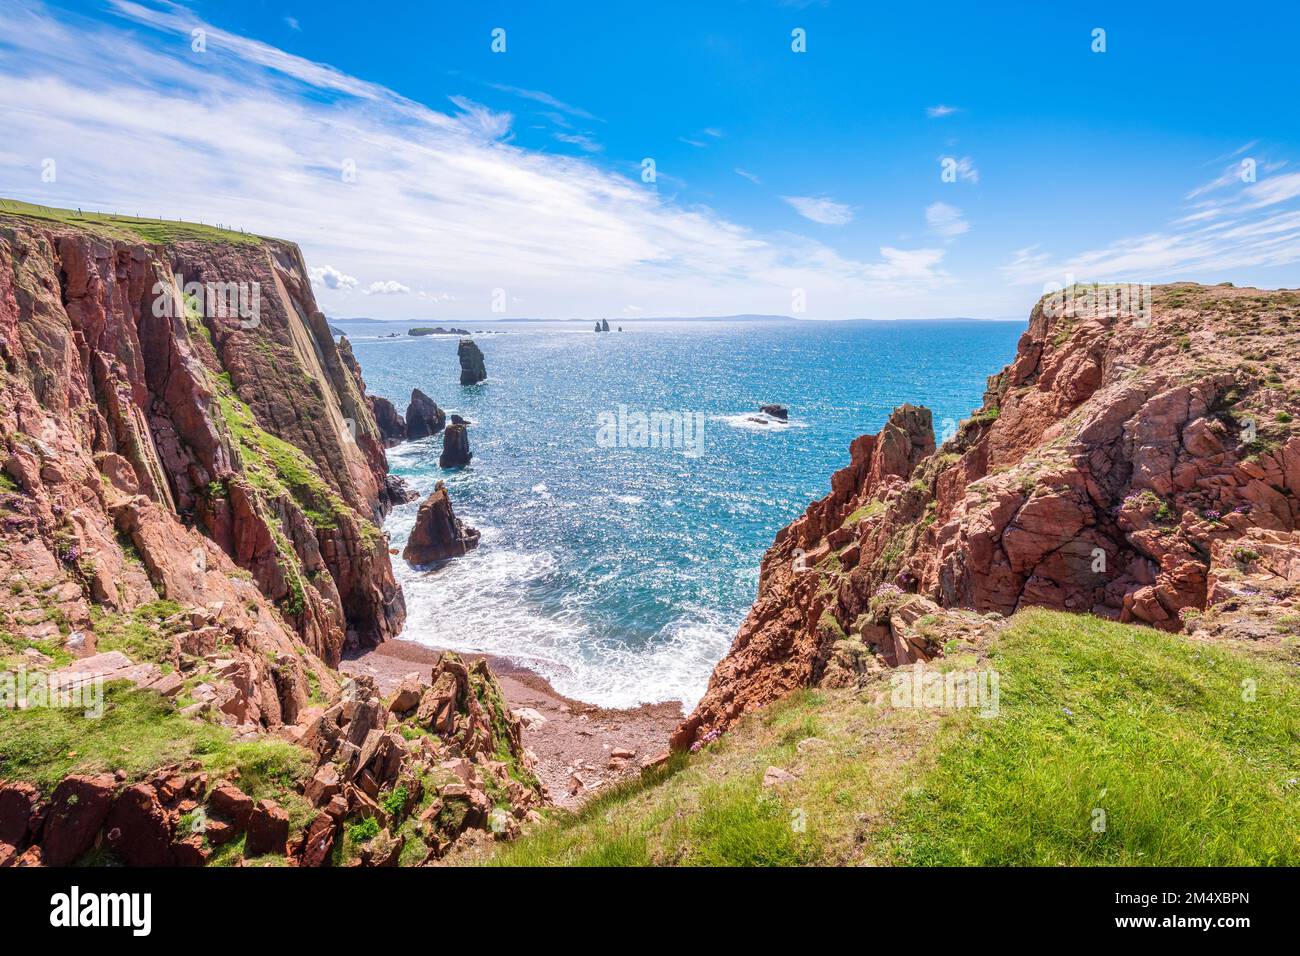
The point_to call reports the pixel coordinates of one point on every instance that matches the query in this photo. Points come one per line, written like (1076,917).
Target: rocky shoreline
(576,748)
(1142,466)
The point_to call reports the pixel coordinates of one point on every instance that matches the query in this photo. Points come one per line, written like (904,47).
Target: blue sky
(510,184)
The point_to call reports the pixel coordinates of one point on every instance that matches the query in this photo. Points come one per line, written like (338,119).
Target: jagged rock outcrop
(472,369)
(160,441)
(383,779)
(423,416)
(438,534)
(455,447)
(776,411)
(1113,465)
(389,421)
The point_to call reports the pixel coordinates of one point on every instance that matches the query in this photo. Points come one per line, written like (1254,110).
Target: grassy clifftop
(130,228)
(1113,744)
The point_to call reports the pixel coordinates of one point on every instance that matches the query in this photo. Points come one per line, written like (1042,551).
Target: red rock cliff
(1115,462)
(225,458)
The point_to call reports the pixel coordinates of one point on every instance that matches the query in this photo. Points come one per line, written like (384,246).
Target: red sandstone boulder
(138,829)
(78,808)
(268,829)
(17,808)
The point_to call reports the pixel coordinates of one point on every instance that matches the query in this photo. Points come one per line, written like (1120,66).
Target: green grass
(137,634)
(866,511)
(1147,727)
(130,228)
(139,732)
(1150,728)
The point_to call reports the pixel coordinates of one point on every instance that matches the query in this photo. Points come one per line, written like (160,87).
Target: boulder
(472,370)
(455,447)
(268,829)
(408,694)
(776,411)
(78,808)
(324,785)
(423,416)
(438,534)
(17,807)
(319,840)
(232,805)
(138,829)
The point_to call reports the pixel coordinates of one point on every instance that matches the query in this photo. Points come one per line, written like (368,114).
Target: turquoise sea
(622,572)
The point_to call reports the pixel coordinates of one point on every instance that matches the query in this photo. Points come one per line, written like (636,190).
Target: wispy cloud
(1231,224)
(945,220)
(746,174)
(940,111)
(820,209)
(292,23)
(582,141)
(546,99)
(374,185)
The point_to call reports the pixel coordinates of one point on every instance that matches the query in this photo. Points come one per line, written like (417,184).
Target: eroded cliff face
(227,462)
(1140,466)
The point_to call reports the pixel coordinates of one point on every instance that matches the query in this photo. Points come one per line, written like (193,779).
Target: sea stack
(438,534)
(392,426)
(423,416)
(455,447)
(472,370)
(604,325)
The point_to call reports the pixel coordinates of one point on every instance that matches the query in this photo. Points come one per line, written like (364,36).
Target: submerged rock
(776,411)
(472,369)
(438,533)
(423,416)
(455,447)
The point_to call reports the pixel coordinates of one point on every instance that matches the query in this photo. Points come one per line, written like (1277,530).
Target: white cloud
(582,141)
(820,209)
(540,96)
(331,278)
(945,220)
(258,138)
(940,111)
(745,174)
(391,287)
(292,23)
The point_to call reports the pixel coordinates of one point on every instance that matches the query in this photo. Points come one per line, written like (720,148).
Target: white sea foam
(757,421)
(479,604)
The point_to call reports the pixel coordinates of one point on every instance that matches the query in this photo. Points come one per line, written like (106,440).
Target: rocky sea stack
(392,426)
(423,416)
(472,369)
(455,447)
(438,534)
